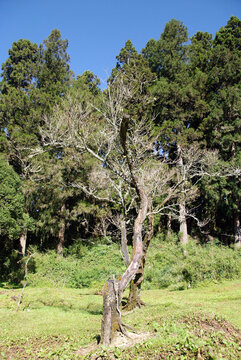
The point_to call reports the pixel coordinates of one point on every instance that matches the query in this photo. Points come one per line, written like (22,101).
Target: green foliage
(180,267)
(20,67)
(167,55)
(189,95)
(13,222)
(12,202)
(87,267)
(168,265)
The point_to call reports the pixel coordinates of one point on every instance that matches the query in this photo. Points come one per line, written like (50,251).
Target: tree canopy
(78,158)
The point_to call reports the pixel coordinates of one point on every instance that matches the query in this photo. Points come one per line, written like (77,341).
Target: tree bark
(111,320)
(169,224)
(183,223)
(134,298)
(113,291)
(124,247)
(61,235)
(237,232)
(23,241)
(182,203)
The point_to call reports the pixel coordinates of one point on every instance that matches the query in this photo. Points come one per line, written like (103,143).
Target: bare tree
(123,146)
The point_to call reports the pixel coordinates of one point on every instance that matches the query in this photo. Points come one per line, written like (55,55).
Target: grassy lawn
(55,323)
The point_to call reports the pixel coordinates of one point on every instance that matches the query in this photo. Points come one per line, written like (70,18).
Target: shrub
(168,265)
(179,268)
(93,269)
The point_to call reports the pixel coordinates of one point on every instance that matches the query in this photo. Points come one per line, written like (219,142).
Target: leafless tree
(123,146)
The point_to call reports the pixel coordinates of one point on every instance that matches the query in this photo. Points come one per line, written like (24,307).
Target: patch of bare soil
(208,325)
(121,341)
(220,340)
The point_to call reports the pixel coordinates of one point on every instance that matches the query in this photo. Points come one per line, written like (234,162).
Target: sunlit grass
(73,316)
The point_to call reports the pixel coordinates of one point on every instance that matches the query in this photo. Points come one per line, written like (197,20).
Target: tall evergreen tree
(19,130)
(167,55)
(175,99)
(34,79)
(13,220)
(222,125)
(54,72)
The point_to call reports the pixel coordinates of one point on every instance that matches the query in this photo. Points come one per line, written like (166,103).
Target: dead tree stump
(111,320)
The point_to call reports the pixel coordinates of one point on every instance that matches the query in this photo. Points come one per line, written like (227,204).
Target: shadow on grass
(91,308)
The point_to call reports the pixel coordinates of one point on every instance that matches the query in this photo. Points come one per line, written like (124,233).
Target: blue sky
(98,29)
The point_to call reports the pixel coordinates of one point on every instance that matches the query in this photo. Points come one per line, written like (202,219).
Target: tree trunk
(237,232)
(182,203)
(60,246)
(134,298)
(183,223)
(169,224)
(113,291)
(124,247)
(23,241)
(111,320)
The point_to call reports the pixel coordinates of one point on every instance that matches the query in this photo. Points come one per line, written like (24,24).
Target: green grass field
(201,323)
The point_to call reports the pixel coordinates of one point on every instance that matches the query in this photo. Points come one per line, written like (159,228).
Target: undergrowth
(168,265)
(90,268)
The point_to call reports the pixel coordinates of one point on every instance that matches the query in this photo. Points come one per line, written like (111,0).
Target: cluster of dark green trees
(54,187)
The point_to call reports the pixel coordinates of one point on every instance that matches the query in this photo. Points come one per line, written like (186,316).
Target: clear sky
(98,29)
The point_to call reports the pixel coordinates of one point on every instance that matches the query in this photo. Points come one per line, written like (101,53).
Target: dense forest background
(71,152)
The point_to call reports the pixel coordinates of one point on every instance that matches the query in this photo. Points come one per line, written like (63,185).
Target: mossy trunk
(113,290)
(182,201)
(111,320)
(134,298)
(60,246)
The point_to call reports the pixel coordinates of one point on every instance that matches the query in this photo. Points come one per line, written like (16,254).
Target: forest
(153,158)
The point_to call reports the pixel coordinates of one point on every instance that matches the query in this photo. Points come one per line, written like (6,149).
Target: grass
(54,323)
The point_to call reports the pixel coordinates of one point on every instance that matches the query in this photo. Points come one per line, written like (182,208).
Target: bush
(92,269)
(168,265)
(179,268)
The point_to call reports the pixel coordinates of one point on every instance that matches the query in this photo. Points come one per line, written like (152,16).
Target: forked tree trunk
(113,290)
(134,298)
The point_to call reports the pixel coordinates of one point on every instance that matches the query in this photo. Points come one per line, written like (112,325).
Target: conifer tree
(175,97)
(13,220)
(221,126)
(34,79)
